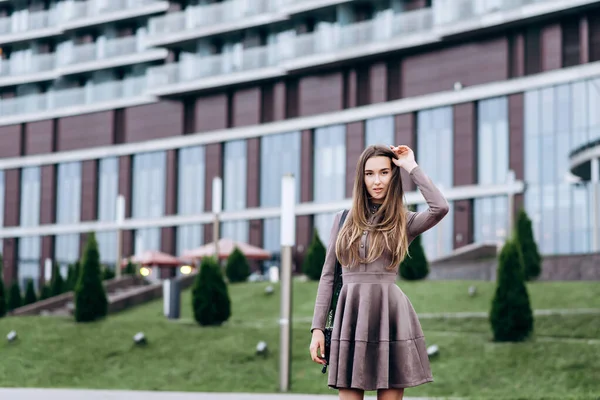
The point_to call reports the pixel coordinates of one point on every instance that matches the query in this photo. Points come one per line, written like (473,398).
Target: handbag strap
(337,280)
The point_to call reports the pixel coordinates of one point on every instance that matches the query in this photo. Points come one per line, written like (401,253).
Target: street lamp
(288,238)
(217,200)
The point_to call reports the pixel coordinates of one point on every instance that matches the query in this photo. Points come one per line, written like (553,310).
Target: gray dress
(377,340)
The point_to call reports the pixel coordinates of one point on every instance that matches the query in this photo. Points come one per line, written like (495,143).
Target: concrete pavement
(72,394)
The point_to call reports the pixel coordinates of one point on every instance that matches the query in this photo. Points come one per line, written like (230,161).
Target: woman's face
(378,174)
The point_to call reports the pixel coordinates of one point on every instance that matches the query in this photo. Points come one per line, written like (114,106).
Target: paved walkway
(67,394)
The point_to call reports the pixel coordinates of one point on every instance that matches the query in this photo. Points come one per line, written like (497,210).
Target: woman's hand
(405,157)
(317,343)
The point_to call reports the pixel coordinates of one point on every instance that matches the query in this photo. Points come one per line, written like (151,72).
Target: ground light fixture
(140,339)
(12,336)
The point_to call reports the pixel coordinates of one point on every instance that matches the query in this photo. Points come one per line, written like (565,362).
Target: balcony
(294,7)
(223,69)
(92,97)
(201,21)
(23,25)
(79,59)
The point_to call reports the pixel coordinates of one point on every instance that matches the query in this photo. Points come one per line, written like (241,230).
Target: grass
(56,352)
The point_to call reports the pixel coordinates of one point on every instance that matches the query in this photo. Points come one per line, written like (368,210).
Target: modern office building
(152,99)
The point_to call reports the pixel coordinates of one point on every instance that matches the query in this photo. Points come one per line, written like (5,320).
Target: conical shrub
(511,317)
(237,268)
(14,297)
(525,240)
(57,284)
(210,297)
(3,299)
(91,302)
(414,266)
(315,258)
(30,296)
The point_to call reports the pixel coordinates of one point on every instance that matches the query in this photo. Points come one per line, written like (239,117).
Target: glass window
(2,192)
(489,221)
(434,155)
(68,208)
(108,191)
(190,199)
(323,224)
(148,196)
(279,155)
(330,164)
(379,131)
(272,240)
(235,166)
(29,246)
(559,119)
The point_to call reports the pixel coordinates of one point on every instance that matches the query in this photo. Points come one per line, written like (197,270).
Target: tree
(14,296)
(57,283)
(3,299)
(71,277)
(91,302)
(210,298)
(30,296)
(45,292)
(531,257)
(414,266)
(315,258)
(129,269)
(107,273)
(237,269)
(511,316)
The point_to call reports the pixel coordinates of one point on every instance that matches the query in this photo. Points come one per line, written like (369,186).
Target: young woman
(377,342)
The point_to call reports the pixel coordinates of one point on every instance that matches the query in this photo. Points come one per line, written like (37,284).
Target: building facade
(152,99)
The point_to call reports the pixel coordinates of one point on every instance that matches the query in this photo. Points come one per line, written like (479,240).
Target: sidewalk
(71,394)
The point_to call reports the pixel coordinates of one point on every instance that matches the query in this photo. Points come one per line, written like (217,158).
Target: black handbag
(337,287)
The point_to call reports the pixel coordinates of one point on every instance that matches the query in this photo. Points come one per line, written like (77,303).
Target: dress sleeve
(419,222)
(325,289)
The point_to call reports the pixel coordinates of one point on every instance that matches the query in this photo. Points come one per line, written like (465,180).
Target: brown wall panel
(214,167)
(516,142)
(471,64)
(48,195)
(551,39)
(279,101)
(304,230)
(167,245)
(127,237)
(404,126)
(321,93)
(153,121)
(306,163)
(87,130)
(10,141)
(246,107)
(464,170)
(517,57)
(584,38)
(89,190)
(355,144)
(47,252)
(9,258)
(125,181)
(39,137)
(350,88)
(253,173)
(211,112)
(171,183)
(378,82)
(12,197)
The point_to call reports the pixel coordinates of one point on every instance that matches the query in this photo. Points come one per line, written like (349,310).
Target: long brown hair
(388,232)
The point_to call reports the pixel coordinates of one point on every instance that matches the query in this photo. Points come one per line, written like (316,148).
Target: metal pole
(120,216)
(511,205)
(288,238)
(217,201)
(595,184)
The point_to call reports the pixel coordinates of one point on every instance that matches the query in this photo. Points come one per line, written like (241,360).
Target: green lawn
(55,352)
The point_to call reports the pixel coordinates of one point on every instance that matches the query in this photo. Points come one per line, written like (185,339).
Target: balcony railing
(80,96)
(100,51)
(452,11)
(94,8)
(35,65)
(25,22)
(203,67)
(194,17)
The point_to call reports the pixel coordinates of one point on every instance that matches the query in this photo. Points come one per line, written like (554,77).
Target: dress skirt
(377,340)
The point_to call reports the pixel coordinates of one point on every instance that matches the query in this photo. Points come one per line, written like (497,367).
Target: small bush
(315,258)
(45,292)
(210,297)
(531,257)
(14,297)
(129,269)
(415,266)
(237,269)
(91,302)
(57,285)
(511,316)
(30,296)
